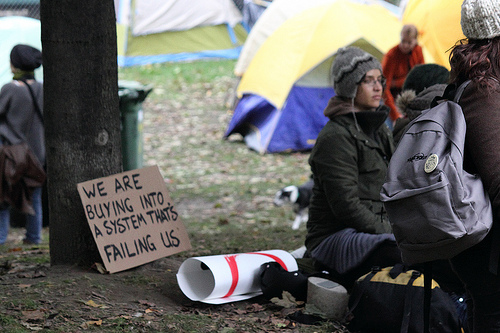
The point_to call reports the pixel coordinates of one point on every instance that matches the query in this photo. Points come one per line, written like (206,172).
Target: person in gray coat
(21,122)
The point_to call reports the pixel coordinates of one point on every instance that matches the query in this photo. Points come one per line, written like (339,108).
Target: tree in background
(82,117)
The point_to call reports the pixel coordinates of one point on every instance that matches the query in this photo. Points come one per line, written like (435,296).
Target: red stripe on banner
(275,258)
(231,261)
(233,266)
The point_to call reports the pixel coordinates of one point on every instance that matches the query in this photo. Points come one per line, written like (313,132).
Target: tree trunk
(82,117)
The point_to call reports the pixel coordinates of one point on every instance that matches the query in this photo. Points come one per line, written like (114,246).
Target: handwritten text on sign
(132,218)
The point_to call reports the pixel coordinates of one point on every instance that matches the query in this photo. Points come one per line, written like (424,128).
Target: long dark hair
(477,60)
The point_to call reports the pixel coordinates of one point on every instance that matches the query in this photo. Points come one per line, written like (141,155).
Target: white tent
(17,30)
(152,31)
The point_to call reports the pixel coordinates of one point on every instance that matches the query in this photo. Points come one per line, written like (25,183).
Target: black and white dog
(299,197)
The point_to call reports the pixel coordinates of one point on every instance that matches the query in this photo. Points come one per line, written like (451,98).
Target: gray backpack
(436,209)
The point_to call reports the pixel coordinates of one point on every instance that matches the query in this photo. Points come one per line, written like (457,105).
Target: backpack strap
(427,293)
(460,90)
(410,290)
(366,281)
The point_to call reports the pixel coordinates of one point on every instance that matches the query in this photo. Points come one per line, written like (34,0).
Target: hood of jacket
(411,105)
(369,121)
(337,107)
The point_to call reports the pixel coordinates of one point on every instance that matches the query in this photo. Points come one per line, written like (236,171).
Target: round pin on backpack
(431,163)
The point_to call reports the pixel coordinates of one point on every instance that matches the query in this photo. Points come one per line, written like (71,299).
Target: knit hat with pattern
(480,19)
(348,69)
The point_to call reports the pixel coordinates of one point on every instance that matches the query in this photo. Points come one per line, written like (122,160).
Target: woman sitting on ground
(348,231)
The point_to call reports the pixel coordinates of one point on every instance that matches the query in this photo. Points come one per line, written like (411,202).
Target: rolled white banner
(228,278)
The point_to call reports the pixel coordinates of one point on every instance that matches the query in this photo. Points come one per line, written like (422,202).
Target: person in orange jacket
(396,64)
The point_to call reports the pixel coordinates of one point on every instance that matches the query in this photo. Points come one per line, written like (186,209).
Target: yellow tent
(278,12)
(438,22)
(310,38)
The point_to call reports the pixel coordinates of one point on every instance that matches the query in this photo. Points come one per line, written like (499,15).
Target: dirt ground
(35,296)
(45,298)
(53,297)
(41,297)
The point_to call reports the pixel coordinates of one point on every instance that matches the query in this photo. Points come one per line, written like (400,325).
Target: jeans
(33,222)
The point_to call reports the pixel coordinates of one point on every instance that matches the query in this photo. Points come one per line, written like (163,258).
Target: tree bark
(82,116)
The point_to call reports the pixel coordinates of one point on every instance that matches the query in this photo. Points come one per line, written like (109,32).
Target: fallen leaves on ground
(94,304)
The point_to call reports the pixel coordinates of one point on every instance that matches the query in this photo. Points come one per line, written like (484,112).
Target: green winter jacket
(349,162)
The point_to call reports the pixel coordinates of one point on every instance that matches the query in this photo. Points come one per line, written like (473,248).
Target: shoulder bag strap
(35,102)
(37,111)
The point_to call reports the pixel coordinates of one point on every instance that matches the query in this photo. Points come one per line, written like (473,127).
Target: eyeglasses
(371,81)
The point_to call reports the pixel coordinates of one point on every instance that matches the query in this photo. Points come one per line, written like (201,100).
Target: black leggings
(388,254)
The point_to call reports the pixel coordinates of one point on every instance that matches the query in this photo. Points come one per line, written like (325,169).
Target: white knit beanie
(348,68)
(480,19)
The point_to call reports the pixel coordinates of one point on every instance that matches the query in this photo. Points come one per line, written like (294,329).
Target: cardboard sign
(132,218)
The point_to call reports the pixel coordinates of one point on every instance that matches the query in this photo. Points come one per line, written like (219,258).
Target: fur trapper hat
(411,104)
(348,69)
